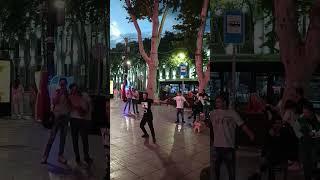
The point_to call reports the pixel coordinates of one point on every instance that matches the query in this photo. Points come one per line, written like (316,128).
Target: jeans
(129,101)
(61,122)
(147,119)
(80,126)
(180,111)
(18,108)
(226,155)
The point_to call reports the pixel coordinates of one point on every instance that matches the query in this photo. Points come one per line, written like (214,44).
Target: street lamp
(128,63)
(181,56)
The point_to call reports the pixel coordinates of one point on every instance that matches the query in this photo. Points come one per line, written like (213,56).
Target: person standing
(180,100)
(80,114)
(61,110)
(135,100)
(129,100)
(17,99)
(224,122)
(147,117)
(33,98)
(115,93)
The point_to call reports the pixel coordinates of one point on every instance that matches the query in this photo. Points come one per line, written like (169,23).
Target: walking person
(147,117)
(135,100)
(180,100)
(80,114)
(33,98)
(17,99)
(61,110)
(129,100)
(224,122)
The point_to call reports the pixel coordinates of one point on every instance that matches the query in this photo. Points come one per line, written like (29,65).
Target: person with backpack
(147,117)
(61,110)
(80,115)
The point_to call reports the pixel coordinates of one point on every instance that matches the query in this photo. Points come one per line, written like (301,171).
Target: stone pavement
(21,148)
(179,154)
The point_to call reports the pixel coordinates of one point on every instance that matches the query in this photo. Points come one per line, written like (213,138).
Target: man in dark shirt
(147,117)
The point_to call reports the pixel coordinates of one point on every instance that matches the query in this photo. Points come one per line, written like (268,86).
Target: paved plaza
(21,148)
(179,153)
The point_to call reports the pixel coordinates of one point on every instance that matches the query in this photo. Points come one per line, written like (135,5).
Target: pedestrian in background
(129,100)
(135,100)
(17,99)
(33,98)
(180,100)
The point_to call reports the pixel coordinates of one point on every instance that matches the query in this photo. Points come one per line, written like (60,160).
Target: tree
(194,22)
(150,10)
(299,55)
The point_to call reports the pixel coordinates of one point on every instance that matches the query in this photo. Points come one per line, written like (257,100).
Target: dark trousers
(226,155)
(61,122)
(135,105)
(149,120)
(129,101)
(195,113)
(180,111)
(307,157)
(80,126)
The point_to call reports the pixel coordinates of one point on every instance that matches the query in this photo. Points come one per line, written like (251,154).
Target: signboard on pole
(183,70)
(234,27)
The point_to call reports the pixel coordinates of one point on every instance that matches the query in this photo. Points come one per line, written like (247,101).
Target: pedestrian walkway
(179,154)
(21,146)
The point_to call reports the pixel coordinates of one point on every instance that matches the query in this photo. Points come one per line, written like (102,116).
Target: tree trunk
(203,77)
(300,58)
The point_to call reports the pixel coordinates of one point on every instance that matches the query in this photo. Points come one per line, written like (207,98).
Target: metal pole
(233,99)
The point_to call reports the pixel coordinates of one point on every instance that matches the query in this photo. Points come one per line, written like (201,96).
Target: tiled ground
(178,154)
(21,146)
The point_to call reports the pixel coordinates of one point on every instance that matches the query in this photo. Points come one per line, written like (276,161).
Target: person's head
(145,95)
(220,102)
(179,93)
(63,83)
(74,89)
(300,93)
(308,110)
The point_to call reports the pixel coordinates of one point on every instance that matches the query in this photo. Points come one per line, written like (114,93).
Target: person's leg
(150,124)
(21,108)
(85,140)
(125,107)
(63,135)
(134,106)
(182,114)
(75,138)
(142,124)
(130,102)
(52,136)
(218,162)
(229,157)
(137,106)
(178,112)
(16,110)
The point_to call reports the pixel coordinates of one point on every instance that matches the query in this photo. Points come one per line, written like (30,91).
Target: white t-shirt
(180,101)
(224,124)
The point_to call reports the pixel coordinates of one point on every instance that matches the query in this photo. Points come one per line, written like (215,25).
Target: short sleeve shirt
(146,105)
(224,124)
(180,101)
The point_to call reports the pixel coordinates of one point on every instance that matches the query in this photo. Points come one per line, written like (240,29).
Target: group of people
(132,98)
(74,107)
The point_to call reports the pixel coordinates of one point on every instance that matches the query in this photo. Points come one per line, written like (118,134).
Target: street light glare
(181,55)
(59,4)
(128,63)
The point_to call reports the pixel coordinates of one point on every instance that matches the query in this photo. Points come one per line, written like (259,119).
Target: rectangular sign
(183,70)
(234,27)
(5,88)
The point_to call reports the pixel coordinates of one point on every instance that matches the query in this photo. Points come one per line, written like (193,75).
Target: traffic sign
(183,70)
(234,27)
(99,51)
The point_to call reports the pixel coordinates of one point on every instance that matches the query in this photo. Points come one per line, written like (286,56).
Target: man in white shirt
(180,100)
(224,122)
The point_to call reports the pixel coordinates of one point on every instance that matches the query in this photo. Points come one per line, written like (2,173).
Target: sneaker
(183,121)
(177,122)
(145,136)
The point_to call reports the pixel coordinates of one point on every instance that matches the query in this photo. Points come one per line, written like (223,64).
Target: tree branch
(313,35)
(287,28)
(164,16)
(136,25)
(155,31)
(199,44)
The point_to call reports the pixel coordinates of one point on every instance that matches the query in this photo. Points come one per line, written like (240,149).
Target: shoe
(145,136)
(183,121)
(177,122)
(62,160)
(44,160)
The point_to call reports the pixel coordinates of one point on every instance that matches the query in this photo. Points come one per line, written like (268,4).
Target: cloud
(115,32)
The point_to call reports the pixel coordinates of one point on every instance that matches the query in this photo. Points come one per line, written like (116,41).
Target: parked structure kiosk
(5,87)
